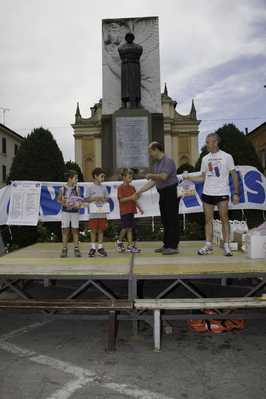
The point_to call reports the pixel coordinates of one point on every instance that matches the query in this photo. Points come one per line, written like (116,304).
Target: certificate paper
(24,203)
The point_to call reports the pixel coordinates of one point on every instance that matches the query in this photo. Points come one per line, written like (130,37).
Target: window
(3,172)
(3,145)
(16,149)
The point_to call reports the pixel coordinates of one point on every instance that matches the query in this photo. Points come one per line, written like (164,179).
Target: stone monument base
(125,138)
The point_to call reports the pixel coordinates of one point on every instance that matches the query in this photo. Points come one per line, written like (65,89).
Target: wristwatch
(237,194)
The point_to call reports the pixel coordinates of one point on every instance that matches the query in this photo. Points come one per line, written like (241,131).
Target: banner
(252,195)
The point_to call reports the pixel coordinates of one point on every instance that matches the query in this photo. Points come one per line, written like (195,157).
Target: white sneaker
(207,249)
(227,251)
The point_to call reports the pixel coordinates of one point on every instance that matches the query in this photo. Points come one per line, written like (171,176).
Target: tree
(70,165)
(238,145)
(38,158)
(185,166)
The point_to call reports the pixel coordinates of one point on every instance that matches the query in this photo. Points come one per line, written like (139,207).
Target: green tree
(70,165)
(238,145)
(185,166)
(38,158)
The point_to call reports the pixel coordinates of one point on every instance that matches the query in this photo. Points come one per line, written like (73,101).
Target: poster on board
(24,203)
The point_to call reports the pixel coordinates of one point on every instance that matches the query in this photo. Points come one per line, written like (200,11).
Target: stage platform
(176,276)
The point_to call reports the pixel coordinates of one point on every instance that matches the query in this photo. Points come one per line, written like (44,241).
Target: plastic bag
(185,189)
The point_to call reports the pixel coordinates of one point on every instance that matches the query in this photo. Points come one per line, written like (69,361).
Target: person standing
(97,192)
(215,168)
(128,207)
(164,177)
(70,214)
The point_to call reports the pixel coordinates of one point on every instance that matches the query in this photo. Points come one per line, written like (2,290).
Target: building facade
(10,143)
(258,138)
(180,135)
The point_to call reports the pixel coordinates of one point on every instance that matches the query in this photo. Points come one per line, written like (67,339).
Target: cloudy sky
(212,51)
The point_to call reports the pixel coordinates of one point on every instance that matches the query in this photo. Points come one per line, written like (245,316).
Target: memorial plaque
(132,140)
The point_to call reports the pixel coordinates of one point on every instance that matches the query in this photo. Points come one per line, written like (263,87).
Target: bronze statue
(130,53)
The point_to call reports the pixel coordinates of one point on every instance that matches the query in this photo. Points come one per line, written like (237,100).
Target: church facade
(180,135)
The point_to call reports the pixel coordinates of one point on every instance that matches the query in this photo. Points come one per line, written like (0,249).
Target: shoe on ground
(170,251)
(160,249)
(132,248)
(207,249)
(77,253)
(63,253)
(120,246)
(92,252)
(101,252)
(227,251)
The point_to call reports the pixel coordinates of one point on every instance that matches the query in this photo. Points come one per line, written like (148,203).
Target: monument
(132,115)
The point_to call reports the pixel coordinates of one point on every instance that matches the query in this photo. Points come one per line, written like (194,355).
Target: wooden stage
(174,275)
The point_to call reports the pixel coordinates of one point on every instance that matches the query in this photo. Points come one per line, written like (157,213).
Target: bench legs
(112,331)
(157,330)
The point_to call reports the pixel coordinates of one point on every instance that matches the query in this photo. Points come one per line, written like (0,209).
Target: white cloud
(212,51)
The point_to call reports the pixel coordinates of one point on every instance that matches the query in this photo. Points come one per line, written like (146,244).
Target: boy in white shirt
(96,192)
(70,214)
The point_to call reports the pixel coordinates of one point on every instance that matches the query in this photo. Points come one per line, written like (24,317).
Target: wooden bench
(156,305)
(86,305)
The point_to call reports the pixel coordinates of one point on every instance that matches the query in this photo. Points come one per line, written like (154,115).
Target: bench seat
(84,305)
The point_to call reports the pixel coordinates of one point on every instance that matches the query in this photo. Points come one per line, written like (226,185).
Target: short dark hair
(70,174)
(126,171)
(156,146)
(97,172)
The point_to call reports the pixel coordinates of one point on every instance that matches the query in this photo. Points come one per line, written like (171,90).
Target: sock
(93,245)
(100,246)
(226,244)
(208,244)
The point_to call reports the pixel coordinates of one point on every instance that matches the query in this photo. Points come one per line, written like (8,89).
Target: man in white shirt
(215,168)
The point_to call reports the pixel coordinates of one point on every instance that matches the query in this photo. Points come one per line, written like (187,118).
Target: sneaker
(63,253)
(132,248)
(170,251)
(120,246)
(160,249)
(77,253)
(101,252)
(92,252)
(227,251)
(207,249)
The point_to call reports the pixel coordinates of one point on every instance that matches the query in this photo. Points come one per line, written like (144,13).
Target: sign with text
(24,203)
(252,195)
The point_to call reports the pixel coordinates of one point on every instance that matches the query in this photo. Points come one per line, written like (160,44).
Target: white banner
(252,195)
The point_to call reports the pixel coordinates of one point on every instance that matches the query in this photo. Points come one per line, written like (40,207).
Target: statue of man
(130,53)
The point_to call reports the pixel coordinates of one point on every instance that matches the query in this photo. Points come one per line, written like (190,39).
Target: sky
(212,51)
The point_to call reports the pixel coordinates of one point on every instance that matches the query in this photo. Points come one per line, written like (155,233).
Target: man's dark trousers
(169,207)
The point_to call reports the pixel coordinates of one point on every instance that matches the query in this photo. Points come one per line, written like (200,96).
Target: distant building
(10,143)
(258,138)
(180,135)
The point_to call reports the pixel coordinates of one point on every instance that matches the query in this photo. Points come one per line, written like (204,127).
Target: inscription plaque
(132,140)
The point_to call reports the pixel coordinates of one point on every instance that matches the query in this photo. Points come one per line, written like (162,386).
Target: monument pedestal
(125,138)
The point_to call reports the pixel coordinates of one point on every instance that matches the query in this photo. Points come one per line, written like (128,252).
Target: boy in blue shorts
(128,207)
(96,192)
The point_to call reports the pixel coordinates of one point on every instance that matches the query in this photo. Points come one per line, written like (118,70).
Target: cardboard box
(233,244)
(255,247)
(240,237)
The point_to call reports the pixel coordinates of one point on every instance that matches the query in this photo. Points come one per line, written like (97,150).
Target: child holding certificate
(97,195)
(69,198)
